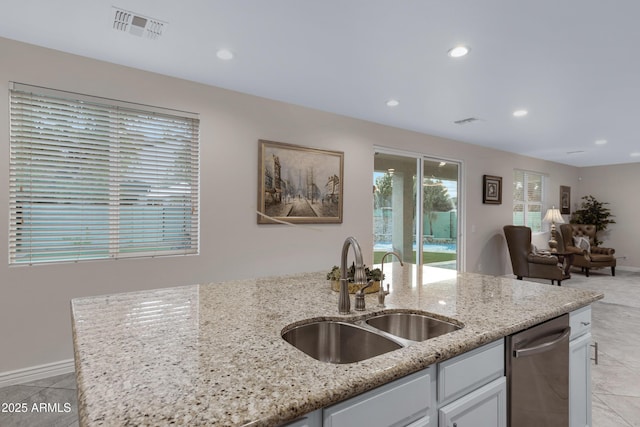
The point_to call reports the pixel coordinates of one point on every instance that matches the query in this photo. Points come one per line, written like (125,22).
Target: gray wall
(617,185)
(34,301)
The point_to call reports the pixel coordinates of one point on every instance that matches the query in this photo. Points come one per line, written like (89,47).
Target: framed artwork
(299,184)
(565,200)
(492,189)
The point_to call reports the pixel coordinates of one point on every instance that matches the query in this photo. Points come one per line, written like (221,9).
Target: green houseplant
(375,275)
(593,212)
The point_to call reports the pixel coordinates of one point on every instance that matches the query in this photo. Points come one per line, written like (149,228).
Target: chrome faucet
(382,293)
(360,277)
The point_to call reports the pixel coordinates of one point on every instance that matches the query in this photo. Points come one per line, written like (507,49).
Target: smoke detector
(137,24)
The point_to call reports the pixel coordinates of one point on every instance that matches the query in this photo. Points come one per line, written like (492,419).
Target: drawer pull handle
(585,323)
(595,346)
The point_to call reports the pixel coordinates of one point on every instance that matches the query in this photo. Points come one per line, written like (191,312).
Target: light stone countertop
(212,354)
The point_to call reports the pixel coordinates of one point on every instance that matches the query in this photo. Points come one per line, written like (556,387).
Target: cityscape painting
(299,184)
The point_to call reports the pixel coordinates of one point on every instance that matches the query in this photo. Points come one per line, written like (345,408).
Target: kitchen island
(212,354)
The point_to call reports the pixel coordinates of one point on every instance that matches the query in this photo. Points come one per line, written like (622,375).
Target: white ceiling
(570,63)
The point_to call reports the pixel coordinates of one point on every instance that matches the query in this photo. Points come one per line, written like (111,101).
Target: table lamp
(553,216)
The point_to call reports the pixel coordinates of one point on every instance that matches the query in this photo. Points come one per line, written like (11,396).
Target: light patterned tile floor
(615,380)
(50,402)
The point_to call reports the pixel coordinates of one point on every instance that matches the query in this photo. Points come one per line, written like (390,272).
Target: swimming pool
(427,247)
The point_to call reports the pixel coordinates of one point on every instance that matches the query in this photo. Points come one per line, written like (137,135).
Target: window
(527,199)
(92,178)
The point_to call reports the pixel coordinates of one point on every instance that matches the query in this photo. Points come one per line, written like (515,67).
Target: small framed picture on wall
(492,190)
(565,200)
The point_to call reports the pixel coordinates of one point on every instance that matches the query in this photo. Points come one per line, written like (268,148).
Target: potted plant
(374,275)
(593,212)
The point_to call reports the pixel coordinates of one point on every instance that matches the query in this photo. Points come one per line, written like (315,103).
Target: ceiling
(569,63)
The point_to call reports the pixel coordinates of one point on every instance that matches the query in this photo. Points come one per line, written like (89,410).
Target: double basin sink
(338,341)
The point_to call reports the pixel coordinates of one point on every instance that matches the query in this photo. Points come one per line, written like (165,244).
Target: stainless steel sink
(338,342)
(411,326)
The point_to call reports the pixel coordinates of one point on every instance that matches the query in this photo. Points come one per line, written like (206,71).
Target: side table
(566,258)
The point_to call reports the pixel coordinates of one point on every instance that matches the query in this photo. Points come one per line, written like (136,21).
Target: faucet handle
(360,304)
(364,286)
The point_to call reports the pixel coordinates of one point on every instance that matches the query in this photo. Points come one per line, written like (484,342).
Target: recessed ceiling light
(520,113)
(601,141)
(224,54)
(458,51)
(393,103)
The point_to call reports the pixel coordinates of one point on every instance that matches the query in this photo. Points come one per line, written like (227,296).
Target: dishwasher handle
(528,351)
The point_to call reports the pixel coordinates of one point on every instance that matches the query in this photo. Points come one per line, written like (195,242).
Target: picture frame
(492,190)
(299,185)
(565,200)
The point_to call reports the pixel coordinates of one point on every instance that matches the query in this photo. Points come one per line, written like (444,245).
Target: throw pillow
(583,243)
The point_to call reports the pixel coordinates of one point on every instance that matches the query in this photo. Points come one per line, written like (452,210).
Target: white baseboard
(34,373)
(626,268)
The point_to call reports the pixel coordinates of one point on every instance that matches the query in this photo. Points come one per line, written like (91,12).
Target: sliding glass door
(440,213)
(394,226)
(427,236)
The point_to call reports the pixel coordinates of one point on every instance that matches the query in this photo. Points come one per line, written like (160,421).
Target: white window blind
(527,199)
(92,178)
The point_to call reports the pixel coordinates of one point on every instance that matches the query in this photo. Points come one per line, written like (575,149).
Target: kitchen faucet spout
(382,293)
(360,277)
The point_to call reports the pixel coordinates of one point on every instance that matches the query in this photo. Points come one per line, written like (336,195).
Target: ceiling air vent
(137,24)
(466,121)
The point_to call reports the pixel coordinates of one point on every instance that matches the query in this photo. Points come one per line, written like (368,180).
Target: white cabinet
(472,389)
(580,368)
(312,419)
(468,390)
(408,401)
(484,407)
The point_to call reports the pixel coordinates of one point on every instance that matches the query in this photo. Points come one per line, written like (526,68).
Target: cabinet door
(485,407)
(580,381)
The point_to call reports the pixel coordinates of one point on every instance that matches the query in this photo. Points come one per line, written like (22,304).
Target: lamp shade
(553,216)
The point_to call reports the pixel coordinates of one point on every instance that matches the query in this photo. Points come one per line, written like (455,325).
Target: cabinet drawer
(469,371)
(312,419)
(399,403)
(580,321)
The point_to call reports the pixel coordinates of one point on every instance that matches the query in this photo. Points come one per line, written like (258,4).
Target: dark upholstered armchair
(525,262)
(586,255)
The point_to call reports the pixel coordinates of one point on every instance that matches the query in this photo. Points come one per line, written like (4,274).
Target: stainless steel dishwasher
(537,362)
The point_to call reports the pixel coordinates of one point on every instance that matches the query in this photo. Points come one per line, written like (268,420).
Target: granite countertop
(212,354)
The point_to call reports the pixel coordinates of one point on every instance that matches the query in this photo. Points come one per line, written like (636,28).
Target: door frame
(461,214)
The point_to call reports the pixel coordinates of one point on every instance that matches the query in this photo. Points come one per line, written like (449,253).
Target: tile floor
(58,392)
(615,380)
